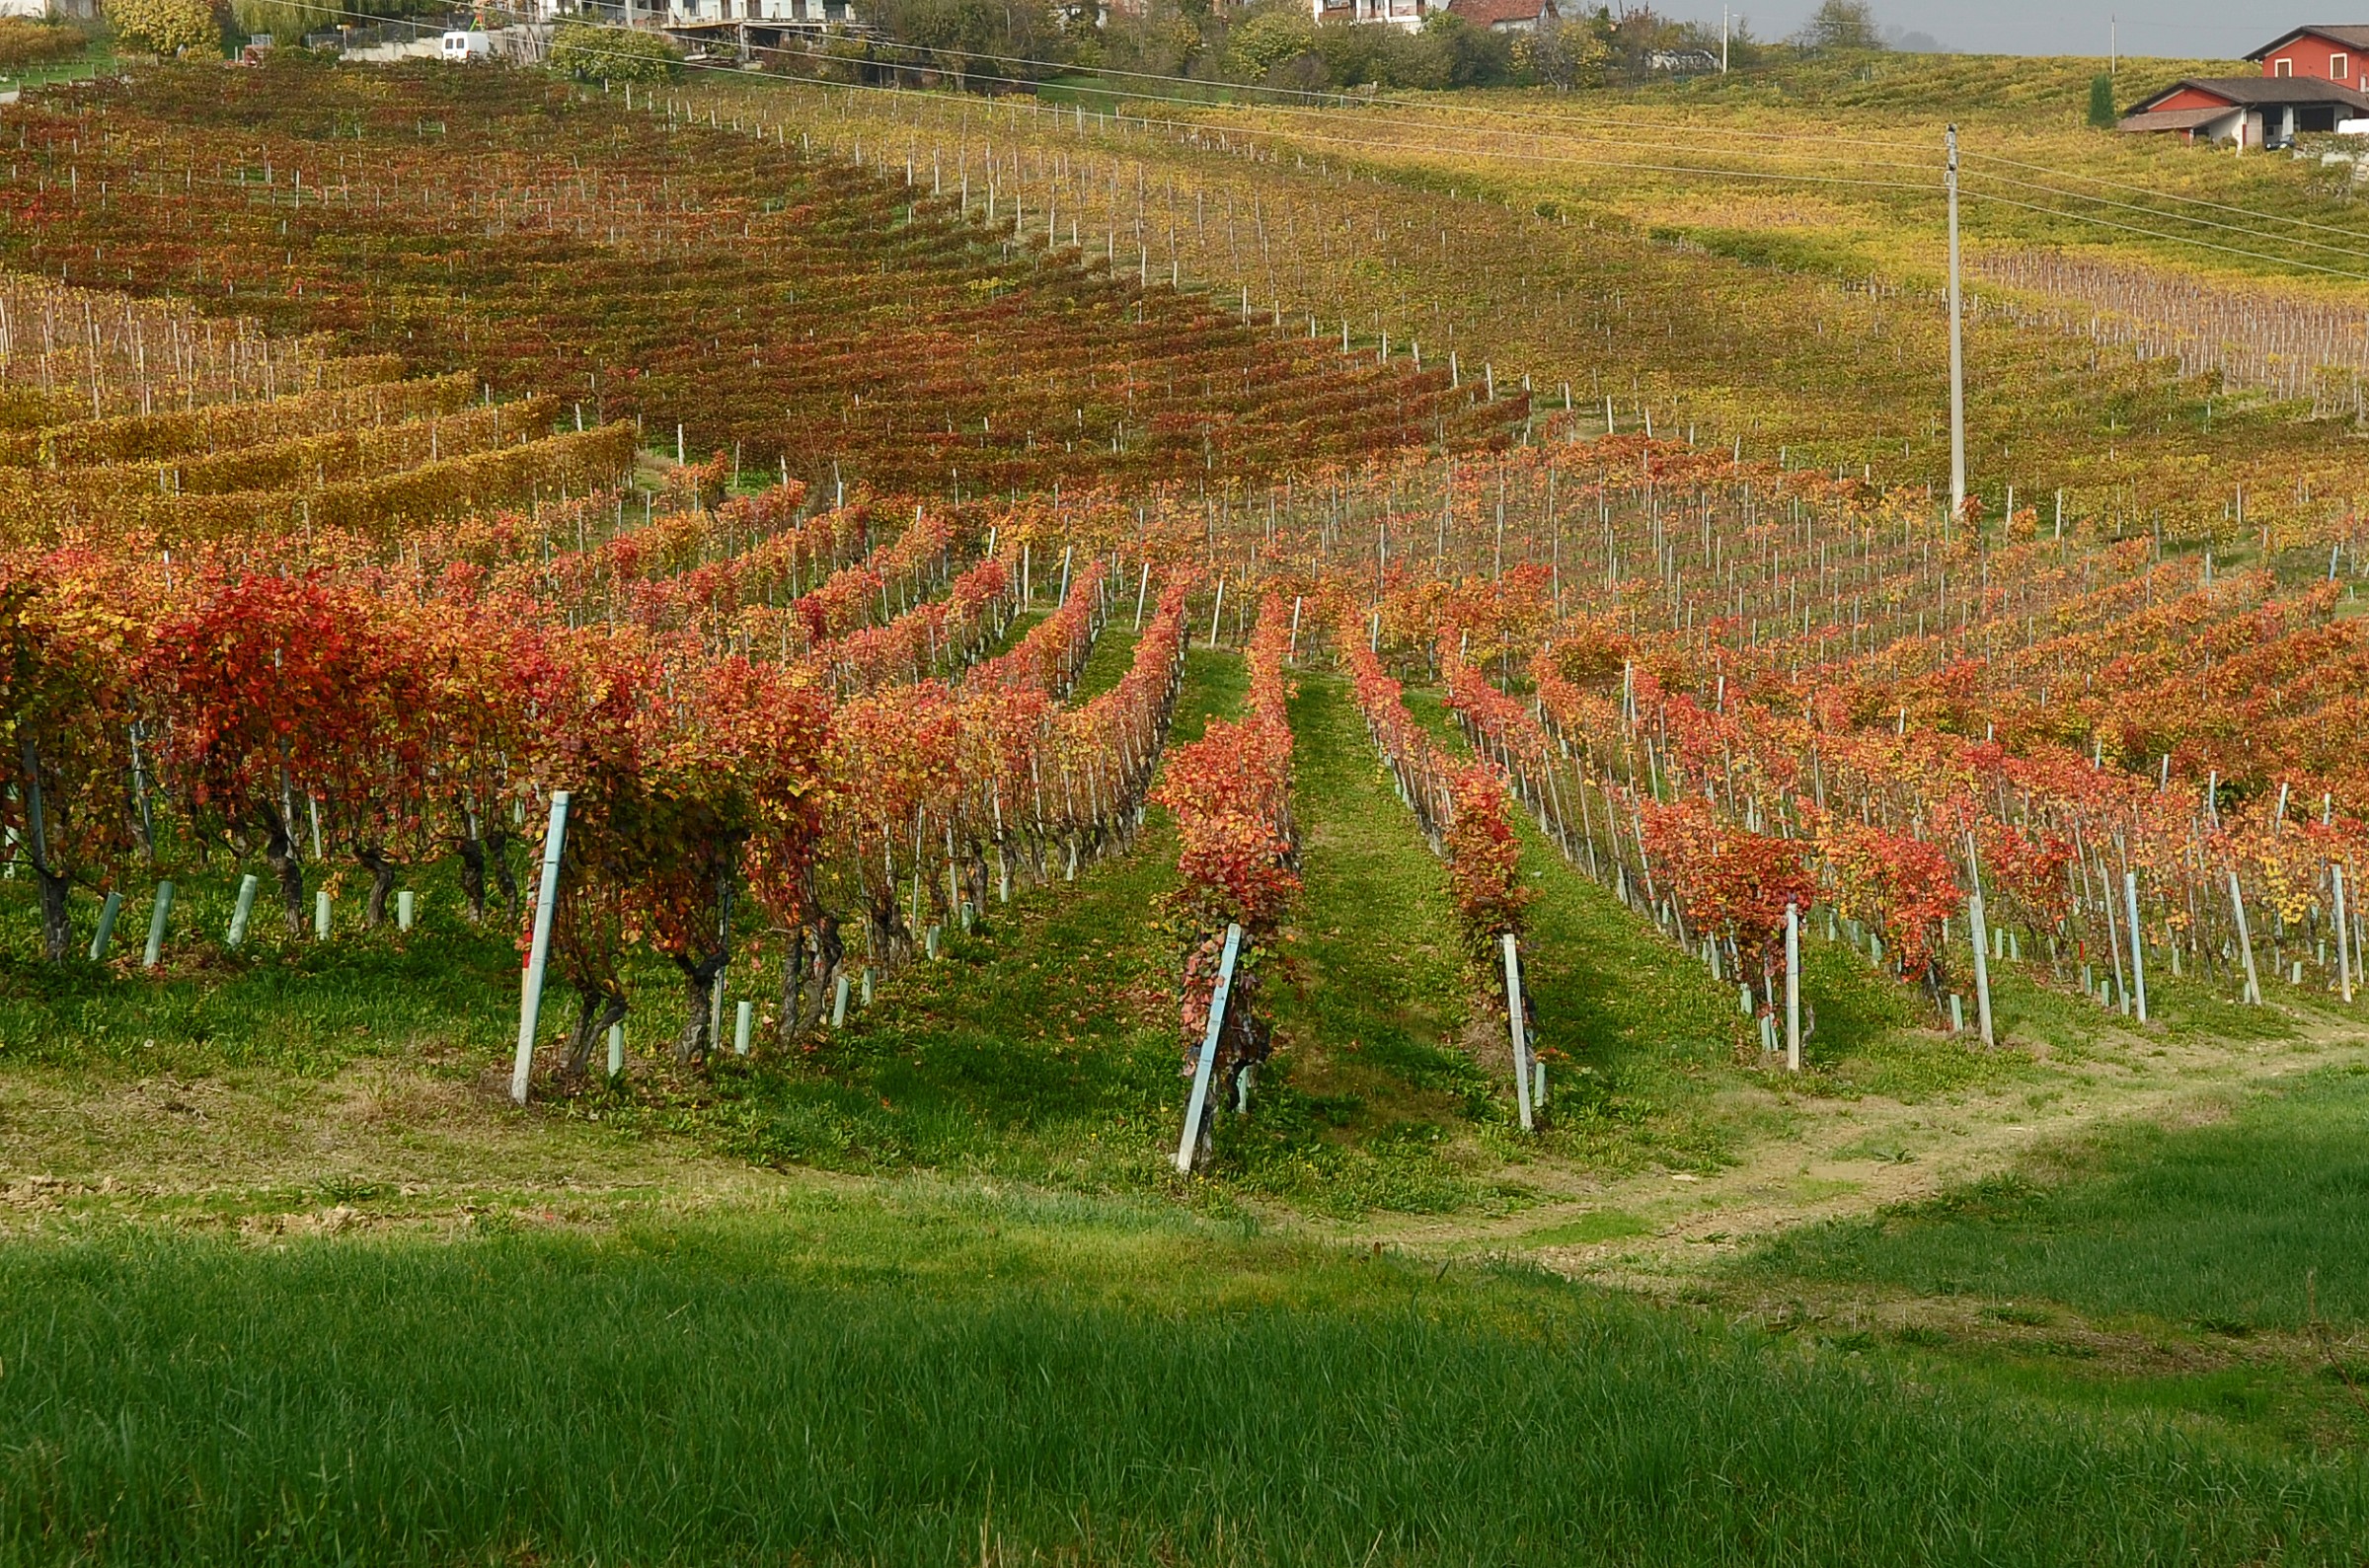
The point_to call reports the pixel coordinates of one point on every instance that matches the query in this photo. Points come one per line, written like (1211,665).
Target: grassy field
(2233,1225)
(928,1377)
(2204,1268)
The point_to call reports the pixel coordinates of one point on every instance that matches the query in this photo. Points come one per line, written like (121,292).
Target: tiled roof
(1487,13)
(2351,37)
(2264,89)
(2174,119)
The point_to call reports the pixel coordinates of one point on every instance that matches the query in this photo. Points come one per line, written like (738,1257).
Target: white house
(1406,14)
(682,12)
(1506,16)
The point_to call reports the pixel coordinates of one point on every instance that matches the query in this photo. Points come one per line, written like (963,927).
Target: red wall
(2190,98)
(2308,56)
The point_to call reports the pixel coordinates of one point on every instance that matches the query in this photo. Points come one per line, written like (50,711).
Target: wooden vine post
(1198,1107)
(1980,929)
(2237,903)
(1513,1023)
(538,957)
(2344,936)
(2138,961)
(1792,987)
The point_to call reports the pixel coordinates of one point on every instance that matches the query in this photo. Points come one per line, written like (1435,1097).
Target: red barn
(2248,111)
(2327,54)
(2314,78)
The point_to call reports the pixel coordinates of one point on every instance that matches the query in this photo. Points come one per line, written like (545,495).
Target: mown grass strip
(2216,1226)
(840,1382)
(1369,1088)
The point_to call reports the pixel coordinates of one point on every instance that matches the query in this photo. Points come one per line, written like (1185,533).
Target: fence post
(1199,1106)
(2237,902)
(1514,1018)
(2343,937)
(530,993)
(1792,987)
(2138,961)
(1982,946)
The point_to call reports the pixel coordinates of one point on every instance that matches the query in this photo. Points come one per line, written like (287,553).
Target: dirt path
(1660,1231)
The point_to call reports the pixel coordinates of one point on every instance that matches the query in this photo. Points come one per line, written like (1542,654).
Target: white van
(461,47)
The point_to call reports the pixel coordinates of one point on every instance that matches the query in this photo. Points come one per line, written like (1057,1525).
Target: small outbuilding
(1682,62)
(2247,110)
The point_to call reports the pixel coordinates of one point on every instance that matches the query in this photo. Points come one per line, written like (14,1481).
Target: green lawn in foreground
(858,1379)
(2216,1224)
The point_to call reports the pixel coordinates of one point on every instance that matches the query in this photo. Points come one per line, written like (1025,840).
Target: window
(2282,68)
(2339,66)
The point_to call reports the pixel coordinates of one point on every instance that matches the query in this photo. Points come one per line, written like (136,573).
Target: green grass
(933,1380)
(289,1002)
(1368,1097)
(1643,1044)
(1099,93)
(1039,1049)
(2215,1227)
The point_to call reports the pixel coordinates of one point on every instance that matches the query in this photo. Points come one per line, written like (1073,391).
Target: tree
(1161,40)
(1560,54)
(166,27)
(1270,39)
(954,34)
(1840,25)
(592,54)
(1743,48)
(1476,56)
(2101,101)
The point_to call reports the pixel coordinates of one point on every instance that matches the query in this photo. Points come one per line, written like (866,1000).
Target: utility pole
(2114,46)
(1723,15)
(1958,349)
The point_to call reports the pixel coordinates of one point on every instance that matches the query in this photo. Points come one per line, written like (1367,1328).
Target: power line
(1348,99)
(1799,177)
(1425,127)
(1690,170)
(2167,195)
(2174,217)
(2175,238)
(1320,99)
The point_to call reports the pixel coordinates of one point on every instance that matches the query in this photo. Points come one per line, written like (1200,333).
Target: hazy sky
(2184,29)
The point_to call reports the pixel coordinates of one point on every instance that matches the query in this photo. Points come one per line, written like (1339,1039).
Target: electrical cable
(2175,238)
(1713,173)
(2163,196)
(2174,217)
